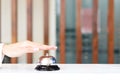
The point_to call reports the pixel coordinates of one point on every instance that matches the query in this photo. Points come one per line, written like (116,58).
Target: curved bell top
(47,60)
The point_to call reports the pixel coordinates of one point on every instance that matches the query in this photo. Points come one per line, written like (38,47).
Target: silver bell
(47,63)
(47,60)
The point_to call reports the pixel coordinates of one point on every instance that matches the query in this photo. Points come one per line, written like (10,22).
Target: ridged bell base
(47,68)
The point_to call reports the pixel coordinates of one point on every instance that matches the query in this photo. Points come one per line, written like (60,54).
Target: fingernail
(36,49)
(54,47)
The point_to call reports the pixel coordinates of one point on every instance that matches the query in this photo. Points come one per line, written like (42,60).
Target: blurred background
(87,36)
(51,19)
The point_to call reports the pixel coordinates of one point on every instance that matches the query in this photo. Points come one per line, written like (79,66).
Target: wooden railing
(14,25)
(95,32)
(111,31)
(29,25)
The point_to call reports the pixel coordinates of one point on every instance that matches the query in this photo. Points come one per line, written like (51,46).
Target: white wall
(22,24)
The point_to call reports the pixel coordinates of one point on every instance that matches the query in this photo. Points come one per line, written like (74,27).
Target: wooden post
(29,27)
(78,32)
(14,26)
(95,31)
(62,31)
(46,23)
(110,31)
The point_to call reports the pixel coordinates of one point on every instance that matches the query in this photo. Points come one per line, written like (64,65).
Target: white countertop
(66,72)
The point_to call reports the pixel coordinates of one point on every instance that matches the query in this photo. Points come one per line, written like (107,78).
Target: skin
(20,48)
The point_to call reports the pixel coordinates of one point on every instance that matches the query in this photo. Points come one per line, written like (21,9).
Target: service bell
(47,63)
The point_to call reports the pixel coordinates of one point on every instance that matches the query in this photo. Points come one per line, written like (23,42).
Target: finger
(38,46)
(42,47)
(46,47)
(30,49)
(33,44)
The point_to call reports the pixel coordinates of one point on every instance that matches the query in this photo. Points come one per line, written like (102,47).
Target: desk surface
(84,71)
(64,68)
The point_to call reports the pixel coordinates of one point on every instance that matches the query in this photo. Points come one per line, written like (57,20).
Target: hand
(20,48)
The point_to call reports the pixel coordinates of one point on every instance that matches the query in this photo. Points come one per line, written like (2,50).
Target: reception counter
(66,72)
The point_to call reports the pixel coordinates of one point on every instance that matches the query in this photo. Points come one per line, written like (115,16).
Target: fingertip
(36,49)
(54,47)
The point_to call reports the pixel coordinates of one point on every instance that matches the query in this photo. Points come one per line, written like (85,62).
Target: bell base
(47,68)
